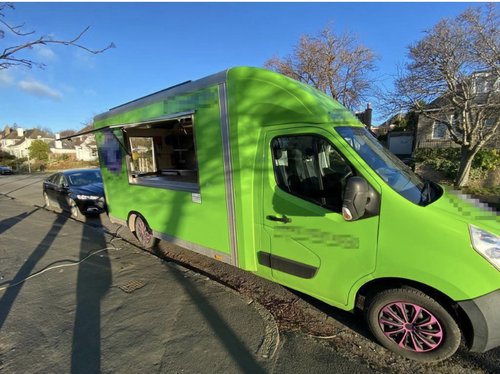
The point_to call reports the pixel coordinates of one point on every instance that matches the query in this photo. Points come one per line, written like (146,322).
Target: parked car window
(58,179)
(310,167)
(83,178)
(52,178)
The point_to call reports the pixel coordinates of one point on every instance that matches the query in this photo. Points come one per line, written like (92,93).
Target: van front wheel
(144,234)
(412,324)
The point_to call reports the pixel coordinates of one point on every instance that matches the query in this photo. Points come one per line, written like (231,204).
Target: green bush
(487,159)
(447,161)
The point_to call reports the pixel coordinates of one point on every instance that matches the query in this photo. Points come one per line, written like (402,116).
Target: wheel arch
(377,285)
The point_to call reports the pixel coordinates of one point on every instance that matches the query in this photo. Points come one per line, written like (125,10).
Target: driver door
(310,247)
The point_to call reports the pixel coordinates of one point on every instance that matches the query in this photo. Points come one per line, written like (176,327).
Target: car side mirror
(355,198)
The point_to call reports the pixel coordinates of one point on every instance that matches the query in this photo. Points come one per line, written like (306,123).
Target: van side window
(308,166)
(163,155)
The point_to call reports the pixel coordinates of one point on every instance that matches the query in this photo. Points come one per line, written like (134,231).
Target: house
(10,136)
(17,141)
(86,148)
(387,126)
(60,148)
(432,128)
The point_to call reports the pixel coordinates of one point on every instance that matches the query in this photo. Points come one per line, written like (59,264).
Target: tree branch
(8,57)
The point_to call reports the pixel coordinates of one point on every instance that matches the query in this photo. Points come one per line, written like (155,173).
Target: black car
(4,170)
(78,191)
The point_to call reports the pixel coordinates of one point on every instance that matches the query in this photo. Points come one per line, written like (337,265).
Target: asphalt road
(348,347)
(97,303)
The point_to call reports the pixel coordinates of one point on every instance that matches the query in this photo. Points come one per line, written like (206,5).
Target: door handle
(284,219)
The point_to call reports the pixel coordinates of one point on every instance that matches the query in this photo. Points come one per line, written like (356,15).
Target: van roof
(255,91)
(178,89)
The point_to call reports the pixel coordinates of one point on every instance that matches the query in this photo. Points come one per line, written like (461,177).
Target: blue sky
(162,44)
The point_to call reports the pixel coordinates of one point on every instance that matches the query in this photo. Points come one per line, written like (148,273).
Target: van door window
(310,167)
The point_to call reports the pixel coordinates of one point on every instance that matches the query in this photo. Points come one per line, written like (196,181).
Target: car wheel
(73,208)
(412,324)
(47,201)
(144,234)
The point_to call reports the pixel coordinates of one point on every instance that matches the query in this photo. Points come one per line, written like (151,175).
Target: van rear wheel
(144,234)
(412,324)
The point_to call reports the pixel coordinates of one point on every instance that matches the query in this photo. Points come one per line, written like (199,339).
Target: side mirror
(355,198)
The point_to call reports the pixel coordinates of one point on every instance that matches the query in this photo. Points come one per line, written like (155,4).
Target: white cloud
(35,88)
(84,59)
(5,78)
(45,52)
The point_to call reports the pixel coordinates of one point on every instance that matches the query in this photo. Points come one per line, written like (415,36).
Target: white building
(86,148)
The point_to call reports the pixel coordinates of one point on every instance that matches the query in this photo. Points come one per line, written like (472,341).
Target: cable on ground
(73,263)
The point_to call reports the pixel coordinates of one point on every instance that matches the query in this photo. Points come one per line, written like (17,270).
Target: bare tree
(26,40)
(455,68)
(335,64)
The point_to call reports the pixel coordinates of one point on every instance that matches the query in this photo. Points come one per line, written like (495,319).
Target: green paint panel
(426,244)
(170,211)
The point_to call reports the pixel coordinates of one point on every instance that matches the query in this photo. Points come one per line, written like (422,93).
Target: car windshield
(390,168)
(84,177)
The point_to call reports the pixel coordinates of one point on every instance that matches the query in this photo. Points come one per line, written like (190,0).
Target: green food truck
(262,172)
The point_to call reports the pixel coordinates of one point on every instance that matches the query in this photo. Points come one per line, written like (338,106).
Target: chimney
(58,143)
(365,117)
(368,115)
(20,132)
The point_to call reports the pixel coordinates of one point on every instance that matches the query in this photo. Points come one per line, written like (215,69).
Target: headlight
(487,244)
(87,197)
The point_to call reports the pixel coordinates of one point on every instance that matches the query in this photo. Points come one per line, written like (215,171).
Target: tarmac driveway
(102,305)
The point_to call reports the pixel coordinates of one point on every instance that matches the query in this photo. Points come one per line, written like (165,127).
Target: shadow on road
(15,180)
(10,222)
(234,346)
(22,187)
(11,293)
(93,282)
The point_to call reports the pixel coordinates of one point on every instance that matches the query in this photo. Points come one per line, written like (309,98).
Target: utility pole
(29,163)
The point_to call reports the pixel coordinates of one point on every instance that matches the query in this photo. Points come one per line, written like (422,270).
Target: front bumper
(485,319)
(91,206)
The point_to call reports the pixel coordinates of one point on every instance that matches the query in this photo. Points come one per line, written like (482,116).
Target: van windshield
(390,168)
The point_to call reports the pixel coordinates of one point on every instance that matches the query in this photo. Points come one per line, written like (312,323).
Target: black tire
(144,234)
(424,329)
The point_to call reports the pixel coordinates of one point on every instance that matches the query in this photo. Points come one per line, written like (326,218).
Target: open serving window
(162,153)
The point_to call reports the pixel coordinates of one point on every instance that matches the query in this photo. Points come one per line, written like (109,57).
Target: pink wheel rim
(411,327)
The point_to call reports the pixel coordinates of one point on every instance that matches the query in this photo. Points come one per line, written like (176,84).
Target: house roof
(13,135)
(65,144)
(20,141)
(35,133)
